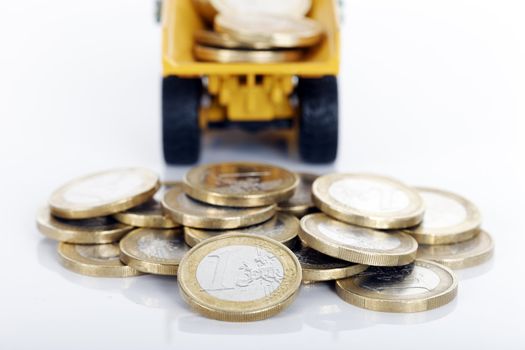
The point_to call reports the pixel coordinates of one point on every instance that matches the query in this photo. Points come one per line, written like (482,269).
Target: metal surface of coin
(205,9)
(448,218)
(282,227)
(368,200)
(192,213)
(318,267)
(357,244)
(427,286)
(301,202)
(288,8)
(237,277)
(211,38)
(215,54)
(148,215)
(104,193)
(276,31)
(154,251)
(99,230)
(240,184)
(98,260)
(460,255)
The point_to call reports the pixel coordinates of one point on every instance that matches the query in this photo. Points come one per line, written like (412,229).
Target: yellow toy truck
(299,97)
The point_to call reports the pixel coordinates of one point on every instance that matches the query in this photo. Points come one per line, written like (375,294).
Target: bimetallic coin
(214,54)
(206,9)
(99,260)
(288,8)
(192,213)
(460,255)
(236,277)
(301,202)
(104,193)
(240,184)
(318,267)
(275,31)
(368,200)
(282,227)
(148,215)
(99,230)
(427,286)
(211,38)
(154,251)
(448,218)
(357,244)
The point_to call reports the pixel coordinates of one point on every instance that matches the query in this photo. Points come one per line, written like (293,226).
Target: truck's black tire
(181,135)
(318,119)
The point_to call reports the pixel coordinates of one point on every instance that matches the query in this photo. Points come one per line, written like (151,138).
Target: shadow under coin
(161,292)
(475,271)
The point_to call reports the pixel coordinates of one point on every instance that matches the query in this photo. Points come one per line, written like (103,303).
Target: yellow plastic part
(245,91)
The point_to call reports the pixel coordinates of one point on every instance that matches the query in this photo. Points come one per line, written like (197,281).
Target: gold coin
(460,255)
(154,251)
(192,213)
(205,9)
(99,230)
(240,184)
(368,200)
(148,215)
(215,54)
(277,31)
(426,286)
(237,277)
(216,39)
(288,8)
(98,260)
(282,227)
(448,218)
(301,202)
(104,193)
(357,244)
(318,267)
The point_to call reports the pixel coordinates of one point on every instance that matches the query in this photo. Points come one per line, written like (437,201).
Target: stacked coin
(259,31)
(241,237)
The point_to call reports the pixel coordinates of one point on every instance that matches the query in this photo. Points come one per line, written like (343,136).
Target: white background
(432,92)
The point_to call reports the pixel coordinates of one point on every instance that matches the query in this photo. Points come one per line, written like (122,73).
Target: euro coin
(104,193)
(215,39)
(240,184)
(205,9)
(275,31)
(301,202)
(357,244)
(99,230)
(448,218)
(282,227)
(289,8)
(319,267)
(237,277)
(460,255)
(368,200)
(155,251)
(148,215)
(192,213)
(427,286)
(98,260)
(215,54)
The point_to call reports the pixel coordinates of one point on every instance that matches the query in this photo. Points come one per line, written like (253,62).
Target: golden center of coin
(290,8)
(448,218)
(193,213)
(237,277)
(426,286)
(103,193)
(282,227)
(240,184)
(368,200)
(301,202)
(357,244)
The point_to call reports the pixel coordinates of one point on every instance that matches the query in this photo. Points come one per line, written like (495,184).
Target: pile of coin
(241,237)
(255,31)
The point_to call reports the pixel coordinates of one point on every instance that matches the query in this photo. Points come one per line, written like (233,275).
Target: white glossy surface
(432,93)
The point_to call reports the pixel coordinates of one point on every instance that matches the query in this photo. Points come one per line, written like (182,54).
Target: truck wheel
(180,119)
(318,119)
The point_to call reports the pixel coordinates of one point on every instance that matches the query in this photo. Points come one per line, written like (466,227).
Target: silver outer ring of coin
(215,54)
(357,254)
(63,208)
(458,233)
(408,217)
(299,210)
(223,40)
(482,253)
(379,302)
(298,12)
(194,236)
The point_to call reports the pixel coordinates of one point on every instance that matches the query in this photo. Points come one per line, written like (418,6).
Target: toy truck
(300,98)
